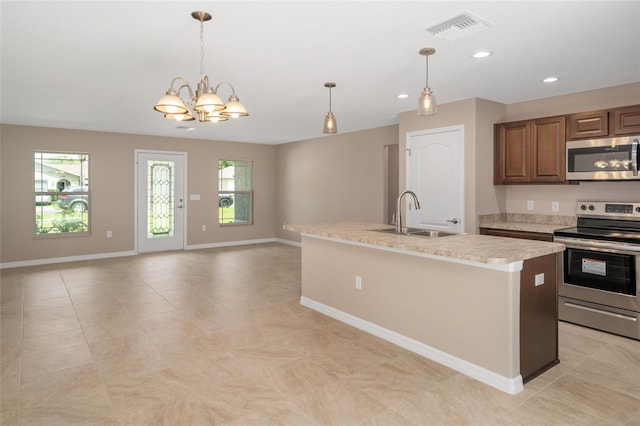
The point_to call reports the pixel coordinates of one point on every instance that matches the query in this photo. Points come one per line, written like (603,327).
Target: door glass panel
(161,207)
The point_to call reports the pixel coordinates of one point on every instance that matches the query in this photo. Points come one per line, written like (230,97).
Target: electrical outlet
(204,228)
(555,206)
(539,280)
(529,204)
(358,282)
(109,234)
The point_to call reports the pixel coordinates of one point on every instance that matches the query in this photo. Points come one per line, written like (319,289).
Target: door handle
(454,220)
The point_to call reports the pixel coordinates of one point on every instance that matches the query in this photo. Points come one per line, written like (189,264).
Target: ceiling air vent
(459,26)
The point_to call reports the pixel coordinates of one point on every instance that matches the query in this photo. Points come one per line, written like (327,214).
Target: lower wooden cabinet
(538,315)
(517,234)
(538,306)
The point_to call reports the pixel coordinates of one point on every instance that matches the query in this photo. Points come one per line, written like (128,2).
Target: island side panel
(467,311)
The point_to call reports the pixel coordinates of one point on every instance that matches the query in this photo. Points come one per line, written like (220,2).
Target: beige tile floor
(218,337)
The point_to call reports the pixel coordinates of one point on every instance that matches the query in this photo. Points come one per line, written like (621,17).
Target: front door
(435,172)
(160,201)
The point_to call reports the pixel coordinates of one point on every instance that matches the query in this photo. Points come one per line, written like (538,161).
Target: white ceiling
(103,65)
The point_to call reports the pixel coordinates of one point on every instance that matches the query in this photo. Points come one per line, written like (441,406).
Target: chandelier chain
(201,48)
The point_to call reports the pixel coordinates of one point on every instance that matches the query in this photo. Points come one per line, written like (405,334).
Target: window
(235,192)
(61,193)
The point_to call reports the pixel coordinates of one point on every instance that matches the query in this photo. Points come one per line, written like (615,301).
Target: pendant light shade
(330,125)
(427,100)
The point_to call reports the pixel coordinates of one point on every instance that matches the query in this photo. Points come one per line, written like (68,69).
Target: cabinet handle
(454,220)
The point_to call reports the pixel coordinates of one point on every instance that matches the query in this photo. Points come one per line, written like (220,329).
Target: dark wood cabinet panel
(548,150)
(593,124)
(538,306)
(538,315)
(526,235)
(531,151)
(626,120)
(512,152)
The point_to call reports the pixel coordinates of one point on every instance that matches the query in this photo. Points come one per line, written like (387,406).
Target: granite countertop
(469,247)
(544,224)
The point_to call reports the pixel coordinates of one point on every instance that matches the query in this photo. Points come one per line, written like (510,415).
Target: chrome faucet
(399,209)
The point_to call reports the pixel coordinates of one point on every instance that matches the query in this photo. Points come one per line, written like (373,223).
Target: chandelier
(206,104)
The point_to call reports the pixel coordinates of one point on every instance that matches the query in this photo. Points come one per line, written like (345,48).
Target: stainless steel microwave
(603,159)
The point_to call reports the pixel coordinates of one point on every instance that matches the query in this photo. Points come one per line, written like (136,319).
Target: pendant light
(427,100)
(330,125)
(206,105)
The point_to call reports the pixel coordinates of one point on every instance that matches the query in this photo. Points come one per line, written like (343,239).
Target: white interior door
(160,201)
(435,172)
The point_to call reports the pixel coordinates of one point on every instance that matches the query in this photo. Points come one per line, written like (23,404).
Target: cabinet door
(594,124)
(548,149)
(512,152)
(626,120)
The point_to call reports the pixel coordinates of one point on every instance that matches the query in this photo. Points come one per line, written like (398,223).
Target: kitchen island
(482,305)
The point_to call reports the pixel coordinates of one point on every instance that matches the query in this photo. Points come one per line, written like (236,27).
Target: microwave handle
(634,157)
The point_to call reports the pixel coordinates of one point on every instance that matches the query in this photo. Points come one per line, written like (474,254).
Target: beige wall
(466,311)
(338,177)
(112,198)
(477,116)
(334,178)
(567,195)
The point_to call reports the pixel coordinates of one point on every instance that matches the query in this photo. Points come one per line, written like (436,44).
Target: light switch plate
(539,279)
(529,204)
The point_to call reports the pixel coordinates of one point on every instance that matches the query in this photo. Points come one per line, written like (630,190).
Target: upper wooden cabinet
(626,120)
(512,152)
(531,151)
(548,149)
(604,123)
(594,124)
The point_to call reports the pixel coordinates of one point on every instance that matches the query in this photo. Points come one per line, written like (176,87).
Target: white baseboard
(509,385)
(97,256)
(65,259)
(289,242)
(230,243)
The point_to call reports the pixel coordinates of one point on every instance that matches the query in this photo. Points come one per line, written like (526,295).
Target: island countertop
(467,247)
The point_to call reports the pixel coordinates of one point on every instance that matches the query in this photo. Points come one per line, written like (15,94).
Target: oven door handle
(634,157)
(598,245)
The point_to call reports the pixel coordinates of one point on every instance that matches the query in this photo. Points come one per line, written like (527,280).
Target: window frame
(75,230)
(249,192)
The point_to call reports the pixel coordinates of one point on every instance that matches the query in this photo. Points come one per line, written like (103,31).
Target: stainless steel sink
(416,232)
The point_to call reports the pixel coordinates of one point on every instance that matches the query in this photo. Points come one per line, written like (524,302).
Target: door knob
(454,220)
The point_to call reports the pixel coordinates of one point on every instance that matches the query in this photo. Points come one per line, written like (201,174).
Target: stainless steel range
(601,268)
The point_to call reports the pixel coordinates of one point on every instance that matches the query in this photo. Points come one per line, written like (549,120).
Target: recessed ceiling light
(482,54)
(550,79)
(402,96)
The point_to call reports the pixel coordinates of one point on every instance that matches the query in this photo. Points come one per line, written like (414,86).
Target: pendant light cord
(426,79)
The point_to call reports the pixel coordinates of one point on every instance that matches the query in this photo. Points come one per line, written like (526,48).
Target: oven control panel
(609,209)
